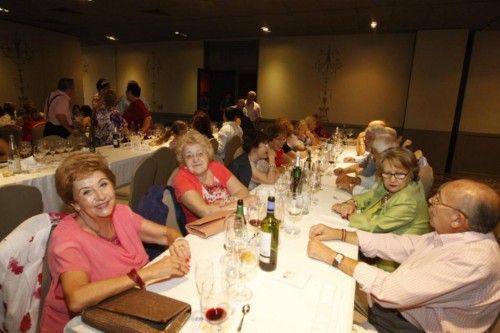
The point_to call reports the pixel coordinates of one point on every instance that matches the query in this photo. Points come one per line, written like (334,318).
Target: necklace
(113,239)
(385,198)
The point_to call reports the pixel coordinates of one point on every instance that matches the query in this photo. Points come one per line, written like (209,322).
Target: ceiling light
(265,29)
(178,33)
(4,10)
(373,24)
(113,38)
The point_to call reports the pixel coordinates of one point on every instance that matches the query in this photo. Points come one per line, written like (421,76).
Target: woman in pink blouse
(97,252)
(202,185)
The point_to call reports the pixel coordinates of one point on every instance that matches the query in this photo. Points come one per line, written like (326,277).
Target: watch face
(338,258)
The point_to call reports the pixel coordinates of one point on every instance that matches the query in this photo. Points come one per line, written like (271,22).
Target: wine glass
(38,153)
(233,274)
(294,206)
(216,308)
(25,149)
(60,146)
(204,277)
(69,146)
(236,234)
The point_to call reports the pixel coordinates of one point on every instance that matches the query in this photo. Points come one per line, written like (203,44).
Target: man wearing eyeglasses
(448,280)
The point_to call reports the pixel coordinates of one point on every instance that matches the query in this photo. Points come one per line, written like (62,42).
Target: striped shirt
(446,282)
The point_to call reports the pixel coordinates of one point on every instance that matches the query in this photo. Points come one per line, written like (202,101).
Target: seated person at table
(106,118)
(4,148)
(361,184)
(97,252)
(201,122)
(302,137)
(203,186)
(137,113)
(397,204)
(286,127)
(276,141)
(31,118)
(86,113)
(257,164)
(228,130)
(178,128)
(448,280)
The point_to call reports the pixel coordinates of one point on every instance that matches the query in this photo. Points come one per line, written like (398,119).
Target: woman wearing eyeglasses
(397,204)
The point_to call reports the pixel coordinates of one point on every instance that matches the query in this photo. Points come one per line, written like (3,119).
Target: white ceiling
(156,20)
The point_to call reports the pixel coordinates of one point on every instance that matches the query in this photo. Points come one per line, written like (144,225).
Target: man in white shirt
(448,280)
(252,107)
(228,130)
(57,110)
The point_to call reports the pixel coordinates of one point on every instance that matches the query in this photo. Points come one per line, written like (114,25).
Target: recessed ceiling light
(4,10)
(113,38)
(373,24)
(178,33)
(265,29)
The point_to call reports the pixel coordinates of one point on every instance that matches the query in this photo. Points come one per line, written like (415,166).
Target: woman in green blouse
(397,204)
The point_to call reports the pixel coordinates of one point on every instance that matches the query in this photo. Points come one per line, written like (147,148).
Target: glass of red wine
(216,308)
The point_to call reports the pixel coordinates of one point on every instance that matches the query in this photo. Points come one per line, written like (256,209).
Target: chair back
(21,262)
(19,202)
(172,176)
(215,144)
(15,130)
(37,133)
(426,175)
(231,146)
(171,216)
(166,162)
(143,179)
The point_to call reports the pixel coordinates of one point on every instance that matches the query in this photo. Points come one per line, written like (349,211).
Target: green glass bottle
(268,258)
(296,174)
(240,210)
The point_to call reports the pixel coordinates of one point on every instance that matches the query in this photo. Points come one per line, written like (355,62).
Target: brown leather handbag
(138,310)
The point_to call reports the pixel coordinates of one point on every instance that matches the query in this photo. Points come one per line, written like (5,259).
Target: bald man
(448,280)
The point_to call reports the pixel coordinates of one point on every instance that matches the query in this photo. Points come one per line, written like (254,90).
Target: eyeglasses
(436,200)
(397,175)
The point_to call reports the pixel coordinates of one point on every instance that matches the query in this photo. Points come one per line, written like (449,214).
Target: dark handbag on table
(138,310)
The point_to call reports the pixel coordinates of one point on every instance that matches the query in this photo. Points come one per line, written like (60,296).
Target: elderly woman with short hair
(97,252)
(202,185)
(397,204)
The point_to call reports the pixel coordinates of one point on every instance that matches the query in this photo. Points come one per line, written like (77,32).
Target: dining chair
(231,146)
(166,162)
(15,130)
(173,210)
(19,202)
(215,144)
(37,133)
(426,175)
(143,179)
(22,254)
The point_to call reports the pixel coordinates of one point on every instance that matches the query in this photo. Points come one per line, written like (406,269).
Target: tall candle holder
(327,66)
(19,52)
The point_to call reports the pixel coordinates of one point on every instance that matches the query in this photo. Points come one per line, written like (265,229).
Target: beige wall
(175,77)
(481,112)
(54,56)
(436,72)
(372,81)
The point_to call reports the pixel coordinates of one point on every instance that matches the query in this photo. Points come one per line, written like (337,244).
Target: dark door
(213,86)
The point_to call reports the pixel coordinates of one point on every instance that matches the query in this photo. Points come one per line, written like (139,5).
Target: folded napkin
(208,225)
(30,163)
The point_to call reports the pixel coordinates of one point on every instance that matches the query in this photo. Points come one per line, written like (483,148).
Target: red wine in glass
(215,315)
(255,222)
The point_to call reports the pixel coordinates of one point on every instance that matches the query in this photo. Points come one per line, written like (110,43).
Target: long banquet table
(301,295)
(122,161)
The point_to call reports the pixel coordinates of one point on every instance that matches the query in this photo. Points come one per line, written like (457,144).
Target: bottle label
(265,247)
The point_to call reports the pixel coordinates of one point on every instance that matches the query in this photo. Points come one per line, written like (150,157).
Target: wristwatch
(339,257)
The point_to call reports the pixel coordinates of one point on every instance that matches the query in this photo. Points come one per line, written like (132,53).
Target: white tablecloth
(301,295)
(122,161)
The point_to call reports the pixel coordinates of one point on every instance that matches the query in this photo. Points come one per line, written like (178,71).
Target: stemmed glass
(204,277)
(294,205)
(38,153)
(216,308)
(25,149)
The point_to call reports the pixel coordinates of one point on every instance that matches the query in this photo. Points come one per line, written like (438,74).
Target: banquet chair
(143,179)
(214,143)
(19,202)
(231,146)
(166,162)
(22,254)
(15,130)
(37,133)
(172,221)
(426,175)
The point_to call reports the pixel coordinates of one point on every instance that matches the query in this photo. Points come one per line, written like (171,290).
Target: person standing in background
(252,107)
(102,86)
(58,110)
(137,112)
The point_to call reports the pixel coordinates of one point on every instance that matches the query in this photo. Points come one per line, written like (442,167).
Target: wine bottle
(308,163)
(240,210)
(92,139)
(296,174)
(14,160)
(268,258)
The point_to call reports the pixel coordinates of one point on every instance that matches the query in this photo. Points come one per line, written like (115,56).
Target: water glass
(25,149)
